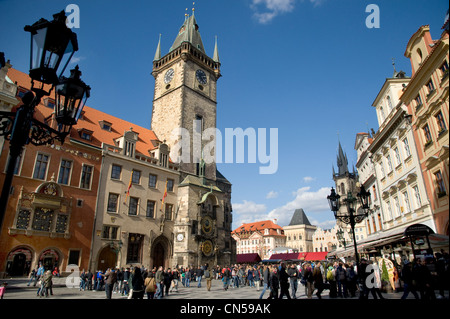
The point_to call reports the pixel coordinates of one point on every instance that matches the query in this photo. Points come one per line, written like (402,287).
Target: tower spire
(158,50)
(216,52)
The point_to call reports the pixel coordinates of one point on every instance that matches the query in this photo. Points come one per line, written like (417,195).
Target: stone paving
(17,289)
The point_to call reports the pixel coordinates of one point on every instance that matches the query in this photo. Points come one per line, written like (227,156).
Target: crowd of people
(342,280)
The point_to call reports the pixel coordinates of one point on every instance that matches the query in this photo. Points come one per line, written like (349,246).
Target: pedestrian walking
(274,283)
(33,275)
(284,282)
(159,278)
(424,280)
(3,290)
(119,283)
(208,278)
(266,280)
(47,284)
(308,280)
(226,273)
(257,277)
(39,273)
(250,276)
(440,271)
(137,281)
(199,275)
(167,280)
(331,280)
(293,280)
(362,276)
(89,277)
(318,279)
(351,280)
(110,278)
(126,285)
(341,280)
(409,282)
(175,280)
(150,285)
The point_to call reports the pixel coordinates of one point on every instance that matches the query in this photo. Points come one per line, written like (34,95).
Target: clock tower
(185,97)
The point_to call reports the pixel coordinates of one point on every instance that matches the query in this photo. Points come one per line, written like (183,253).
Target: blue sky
(310,68)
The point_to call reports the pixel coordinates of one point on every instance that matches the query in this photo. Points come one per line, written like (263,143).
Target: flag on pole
(129,186)
(164,195)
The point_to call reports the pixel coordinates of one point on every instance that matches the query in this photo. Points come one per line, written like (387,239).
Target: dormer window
(129,149)
(105,125)
(85,134)
(21,92)
(128,142)
(50,103)
(81,117)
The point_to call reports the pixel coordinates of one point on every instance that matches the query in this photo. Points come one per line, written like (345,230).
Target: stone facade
(185,98)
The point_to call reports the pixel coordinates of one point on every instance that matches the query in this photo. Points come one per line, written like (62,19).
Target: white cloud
(308,179)
(272,8)
(76,59)
(326,224)
(310,201)
(248,212)
(272,194)
(266,10)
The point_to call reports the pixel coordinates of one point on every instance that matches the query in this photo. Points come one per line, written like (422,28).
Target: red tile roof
(260,227)
(91,121)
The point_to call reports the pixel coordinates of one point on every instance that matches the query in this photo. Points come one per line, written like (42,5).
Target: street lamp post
(352,216)
(52,47)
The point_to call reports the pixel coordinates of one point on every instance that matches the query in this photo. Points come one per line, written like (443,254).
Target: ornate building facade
(259,237)
(50,214)
(427,99)
(299,232)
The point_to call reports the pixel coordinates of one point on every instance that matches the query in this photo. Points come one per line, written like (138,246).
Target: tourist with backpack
(341,279)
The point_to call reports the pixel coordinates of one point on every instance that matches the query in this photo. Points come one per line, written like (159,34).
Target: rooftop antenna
(193,7)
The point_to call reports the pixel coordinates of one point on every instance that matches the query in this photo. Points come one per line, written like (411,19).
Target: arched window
(389,102)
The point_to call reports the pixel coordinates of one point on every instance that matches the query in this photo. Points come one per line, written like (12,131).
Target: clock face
(201,77)
(207,247)
(180,237)
(207,225)
(168,76)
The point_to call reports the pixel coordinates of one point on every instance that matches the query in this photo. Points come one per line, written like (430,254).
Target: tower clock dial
(207,247)
(201,77)
(207,225)
(168,76)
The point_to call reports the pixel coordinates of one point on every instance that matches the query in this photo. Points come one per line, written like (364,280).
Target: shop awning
(289,256)
(248,258)
(313,256)
(271,260)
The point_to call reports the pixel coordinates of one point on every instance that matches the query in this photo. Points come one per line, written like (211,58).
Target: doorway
(161,252)
(158,255)
(107,259)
